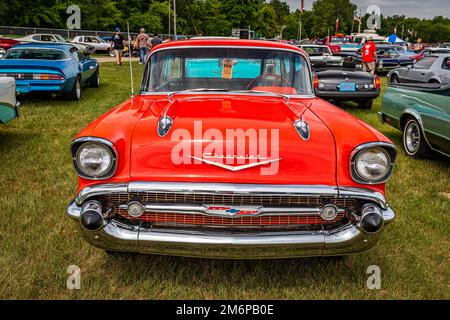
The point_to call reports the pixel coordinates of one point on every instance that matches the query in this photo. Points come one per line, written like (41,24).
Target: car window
(215,68)
(317,51)
(38,38)
(340,40)
(446,64)
(48,38)
(32,53)
(59,38)
(425,63)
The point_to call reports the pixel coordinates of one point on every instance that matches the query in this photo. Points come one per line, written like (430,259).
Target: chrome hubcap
(412,137)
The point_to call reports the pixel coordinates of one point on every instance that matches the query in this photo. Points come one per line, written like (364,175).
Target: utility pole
(169,20)
(175,19)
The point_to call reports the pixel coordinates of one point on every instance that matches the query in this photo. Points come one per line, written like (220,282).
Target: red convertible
(227,153)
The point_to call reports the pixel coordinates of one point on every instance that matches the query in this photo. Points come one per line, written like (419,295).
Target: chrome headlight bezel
(387,148)
(79,143)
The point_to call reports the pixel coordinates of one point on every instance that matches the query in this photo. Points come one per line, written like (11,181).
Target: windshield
(340,40)
(230,69)
(60,38)
(41,54)
(317,51)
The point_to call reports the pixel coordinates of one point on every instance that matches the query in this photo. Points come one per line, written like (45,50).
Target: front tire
(365,104)
(75,92)
(111,53)
(414,141)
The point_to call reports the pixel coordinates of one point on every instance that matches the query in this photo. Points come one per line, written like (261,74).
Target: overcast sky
(409,8)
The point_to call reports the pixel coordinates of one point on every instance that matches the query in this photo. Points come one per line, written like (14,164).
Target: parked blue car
(50,68)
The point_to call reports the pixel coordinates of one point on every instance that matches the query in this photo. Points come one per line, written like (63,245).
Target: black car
(345,82)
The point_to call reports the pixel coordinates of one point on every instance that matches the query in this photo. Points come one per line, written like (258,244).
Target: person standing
(369,56)
(142,41)
(118,44)
(156,40)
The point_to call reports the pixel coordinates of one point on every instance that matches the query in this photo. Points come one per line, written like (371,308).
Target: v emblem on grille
(235,168)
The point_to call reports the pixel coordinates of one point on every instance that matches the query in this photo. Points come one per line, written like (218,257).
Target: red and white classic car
(227,153)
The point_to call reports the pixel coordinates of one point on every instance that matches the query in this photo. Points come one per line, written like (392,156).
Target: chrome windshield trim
(293,50)
(255,93)
(231,188)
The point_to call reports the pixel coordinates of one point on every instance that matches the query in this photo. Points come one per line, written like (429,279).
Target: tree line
(268,19)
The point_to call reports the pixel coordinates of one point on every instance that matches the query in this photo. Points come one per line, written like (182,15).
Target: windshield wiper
(171,94)
(263,92)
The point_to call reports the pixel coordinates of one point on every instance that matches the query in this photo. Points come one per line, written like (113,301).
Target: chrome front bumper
(117,236)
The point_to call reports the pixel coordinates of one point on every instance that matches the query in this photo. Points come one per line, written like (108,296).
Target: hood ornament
(164,125)
(302,128)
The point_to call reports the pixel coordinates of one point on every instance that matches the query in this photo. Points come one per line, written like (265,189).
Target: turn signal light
(316,81)
(46,76)
(377,82)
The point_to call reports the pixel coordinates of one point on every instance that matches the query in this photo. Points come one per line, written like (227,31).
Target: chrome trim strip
(231,189)
(101,189)
(203,209)
(363,194)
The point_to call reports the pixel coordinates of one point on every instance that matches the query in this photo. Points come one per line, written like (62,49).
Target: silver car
(433,68)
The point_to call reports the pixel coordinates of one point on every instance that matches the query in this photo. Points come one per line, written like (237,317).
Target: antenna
(129,58)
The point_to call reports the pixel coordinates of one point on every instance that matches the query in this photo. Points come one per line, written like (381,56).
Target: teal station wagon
(422,112)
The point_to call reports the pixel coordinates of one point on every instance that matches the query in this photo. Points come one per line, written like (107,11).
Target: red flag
(337,26)
(302,6)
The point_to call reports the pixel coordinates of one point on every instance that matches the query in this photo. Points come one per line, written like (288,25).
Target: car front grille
(242,200)
(262,222)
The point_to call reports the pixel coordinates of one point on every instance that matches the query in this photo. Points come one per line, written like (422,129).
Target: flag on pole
(302,6)
(395,30)
(357,18)
(337,26)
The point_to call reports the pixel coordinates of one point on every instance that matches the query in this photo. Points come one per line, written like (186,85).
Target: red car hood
(195,147)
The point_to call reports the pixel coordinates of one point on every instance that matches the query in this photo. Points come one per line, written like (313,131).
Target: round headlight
(372,164)
(94,159)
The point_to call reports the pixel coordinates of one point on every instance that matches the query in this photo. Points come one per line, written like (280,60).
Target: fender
(416,115)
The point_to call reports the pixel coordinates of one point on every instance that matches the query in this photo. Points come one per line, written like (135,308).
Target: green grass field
(38,241)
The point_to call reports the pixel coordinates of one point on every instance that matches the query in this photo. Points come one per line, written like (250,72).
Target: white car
(98,43)
(42,37)
(55,38)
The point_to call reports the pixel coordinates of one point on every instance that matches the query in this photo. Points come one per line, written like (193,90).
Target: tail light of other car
(377,82)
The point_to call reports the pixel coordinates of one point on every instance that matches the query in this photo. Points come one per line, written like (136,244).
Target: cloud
(409,8)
